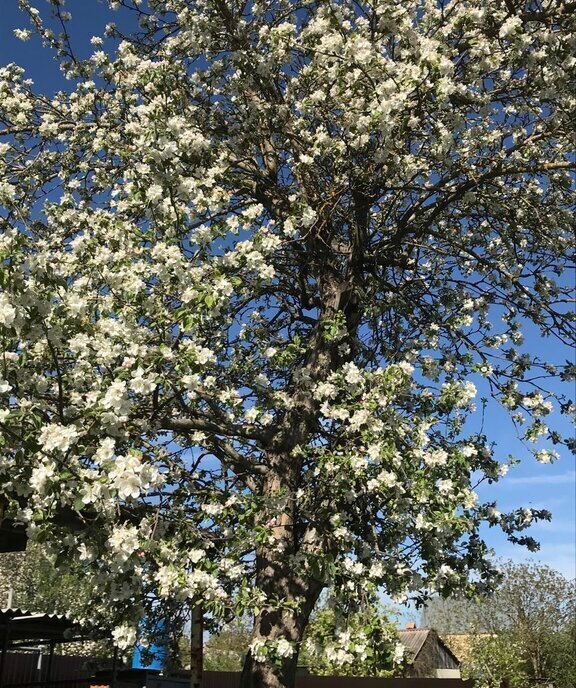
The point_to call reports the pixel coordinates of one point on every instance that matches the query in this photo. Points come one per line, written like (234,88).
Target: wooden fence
(22,671)
(29,669)
(226,679)
(64,683)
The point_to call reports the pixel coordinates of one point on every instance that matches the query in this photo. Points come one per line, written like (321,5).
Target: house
(427,654)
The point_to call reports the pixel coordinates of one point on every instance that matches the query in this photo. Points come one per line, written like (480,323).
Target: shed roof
(18,624)
(413,640)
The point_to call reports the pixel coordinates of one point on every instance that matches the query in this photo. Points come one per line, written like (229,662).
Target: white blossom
(5,386)
(284,648)
(124,636)
(124,542)
(7,310)
(57,437)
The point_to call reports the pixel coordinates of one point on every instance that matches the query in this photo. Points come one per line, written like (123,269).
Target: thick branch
(187,425)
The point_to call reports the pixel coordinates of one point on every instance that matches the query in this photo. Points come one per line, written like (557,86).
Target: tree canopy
(31,582)
(254,263)
(523,633)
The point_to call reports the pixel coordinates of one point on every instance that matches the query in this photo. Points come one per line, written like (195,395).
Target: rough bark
(275,624)
(275,575)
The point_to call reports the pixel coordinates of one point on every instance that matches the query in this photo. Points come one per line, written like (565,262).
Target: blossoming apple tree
(253,261)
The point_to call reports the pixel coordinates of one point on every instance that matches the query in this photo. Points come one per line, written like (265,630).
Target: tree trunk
(196,646)
(272,625)
(267,675)
(276,576)
(278,579)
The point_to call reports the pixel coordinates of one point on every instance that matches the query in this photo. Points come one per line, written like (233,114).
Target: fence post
(48,675)
(5,641)
(196,646)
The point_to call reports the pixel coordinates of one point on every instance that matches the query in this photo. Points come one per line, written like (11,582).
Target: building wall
(432,657)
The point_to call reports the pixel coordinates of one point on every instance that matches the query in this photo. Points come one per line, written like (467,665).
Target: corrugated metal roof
(413,639)
(20,624)
(10,612)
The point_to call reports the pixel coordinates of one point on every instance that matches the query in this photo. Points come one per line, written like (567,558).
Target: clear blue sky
(530,484)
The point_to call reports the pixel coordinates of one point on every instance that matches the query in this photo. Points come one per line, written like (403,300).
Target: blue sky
(529,484)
